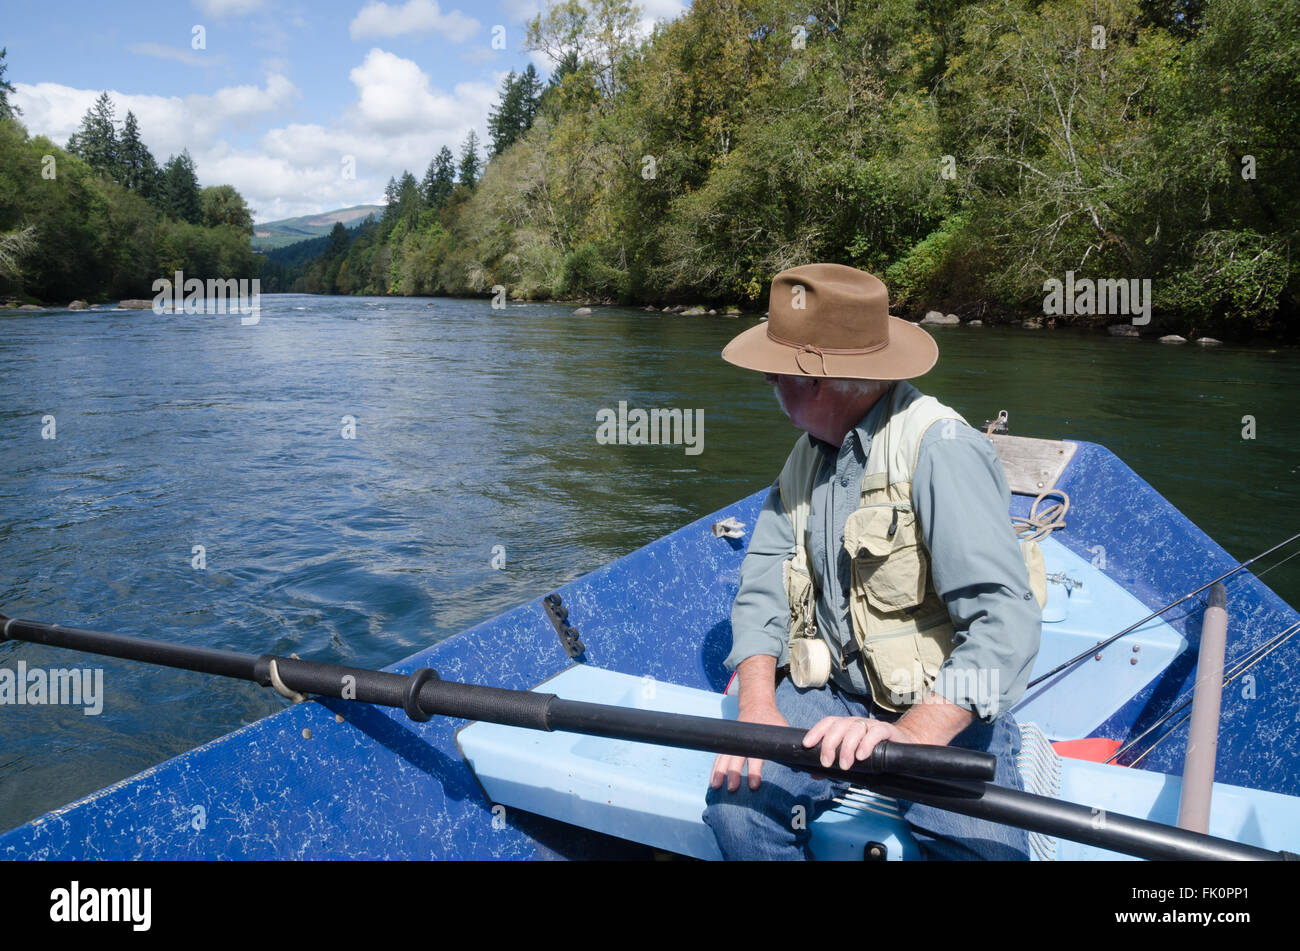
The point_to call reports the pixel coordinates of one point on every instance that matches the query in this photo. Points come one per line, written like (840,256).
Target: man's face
(795,394)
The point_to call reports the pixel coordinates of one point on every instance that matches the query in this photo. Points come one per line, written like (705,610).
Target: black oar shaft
(1067,820)
(520,708)
(423,694)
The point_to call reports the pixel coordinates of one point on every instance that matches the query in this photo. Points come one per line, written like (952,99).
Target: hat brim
(911,352)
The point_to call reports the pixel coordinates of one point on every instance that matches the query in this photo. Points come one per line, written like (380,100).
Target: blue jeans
(756,825)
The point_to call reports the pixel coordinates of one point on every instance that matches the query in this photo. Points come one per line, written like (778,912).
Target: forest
(970,152)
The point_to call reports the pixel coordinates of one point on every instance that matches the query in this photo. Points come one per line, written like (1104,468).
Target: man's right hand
(757,697)
(729,767)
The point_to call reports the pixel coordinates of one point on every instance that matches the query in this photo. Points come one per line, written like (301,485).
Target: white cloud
(398,120)
(167,123)
(414,16)
(227,8)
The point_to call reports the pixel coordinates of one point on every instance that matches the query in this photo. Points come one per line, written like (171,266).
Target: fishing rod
(1155,614)
(1249,660)
(945,777)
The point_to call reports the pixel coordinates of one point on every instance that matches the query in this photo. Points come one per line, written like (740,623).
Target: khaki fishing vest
(902,627)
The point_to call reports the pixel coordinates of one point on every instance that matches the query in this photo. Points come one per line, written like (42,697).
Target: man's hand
(757,699)
(935,720)
(729,767)
(852,738)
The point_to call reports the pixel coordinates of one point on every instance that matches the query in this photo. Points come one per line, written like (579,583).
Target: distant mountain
(278,234)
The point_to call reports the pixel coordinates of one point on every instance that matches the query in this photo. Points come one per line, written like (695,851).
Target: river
(350,479)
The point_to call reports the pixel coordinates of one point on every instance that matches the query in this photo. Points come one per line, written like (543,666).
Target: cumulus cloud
(398,120)
(414,16)
(167,123)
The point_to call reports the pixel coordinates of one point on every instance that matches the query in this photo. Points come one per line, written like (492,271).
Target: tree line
(967,151)
(101,219)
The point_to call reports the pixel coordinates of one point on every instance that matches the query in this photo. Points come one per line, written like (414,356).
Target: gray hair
(856,388)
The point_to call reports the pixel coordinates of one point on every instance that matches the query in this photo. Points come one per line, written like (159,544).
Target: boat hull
(332,779)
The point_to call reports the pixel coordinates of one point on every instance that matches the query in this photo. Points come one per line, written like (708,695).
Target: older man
(883,572)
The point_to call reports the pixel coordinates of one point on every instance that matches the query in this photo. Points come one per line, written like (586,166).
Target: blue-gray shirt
(961,501)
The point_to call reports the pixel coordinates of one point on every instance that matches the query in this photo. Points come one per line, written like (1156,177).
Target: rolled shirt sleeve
(761,613)
(960,496)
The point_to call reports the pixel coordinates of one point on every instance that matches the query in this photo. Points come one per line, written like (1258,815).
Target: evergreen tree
(96,141)
(7,111)
(505,118)
(530,97)
(390,199)
(179,189)
(469,160)
(139,170)
(338,244)
(408,197)
(439,180)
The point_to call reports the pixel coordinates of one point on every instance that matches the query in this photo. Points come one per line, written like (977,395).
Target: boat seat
(655,794)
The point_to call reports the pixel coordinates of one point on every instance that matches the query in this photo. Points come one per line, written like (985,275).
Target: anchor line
(1249,660)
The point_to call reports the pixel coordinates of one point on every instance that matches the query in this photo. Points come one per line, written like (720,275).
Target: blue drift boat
(338,778)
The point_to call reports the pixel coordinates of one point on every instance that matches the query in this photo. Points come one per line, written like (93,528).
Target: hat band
(824,350)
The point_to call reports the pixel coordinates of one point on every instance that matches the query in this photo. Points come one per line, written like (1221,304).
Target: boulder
(582,312)
(1208,342)
(943,320)
(77,305)
(975,323)
(679,308)
(731,310)
(1032,324)
(652,308)
(666,310)
(713,313)
(1173,338)
(694,312)
(135,304)
(1123,330)
(30,307)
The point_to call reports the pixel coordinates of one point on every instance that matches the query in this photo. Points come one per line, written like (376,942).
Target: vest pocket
(889,562)
(905,631)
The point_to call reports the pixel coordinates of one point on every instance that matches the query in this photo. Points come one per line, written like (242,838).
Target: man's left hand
(853,738)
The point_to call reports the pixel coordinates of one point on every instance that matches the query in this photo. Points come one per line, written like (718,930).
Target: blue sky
(282,92)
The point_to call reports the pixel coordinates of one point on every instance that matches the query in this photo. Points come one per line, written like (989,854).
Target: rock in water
(1122,330)
(696,311)
(582,312)
(1208,342)
(135,304)
(934,317)
(1173,338)
(77,305)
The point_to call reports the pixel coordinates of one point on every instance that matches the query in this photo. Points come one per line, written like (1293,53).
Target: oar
(423,694)
(1155,614)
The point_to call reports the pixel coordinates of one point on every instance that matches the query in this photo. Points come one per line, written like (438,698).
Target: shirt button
(1028,596)
(844,482)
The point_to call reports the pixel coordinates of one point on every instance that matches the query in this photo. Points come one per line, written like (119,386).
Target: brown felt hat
(830,320)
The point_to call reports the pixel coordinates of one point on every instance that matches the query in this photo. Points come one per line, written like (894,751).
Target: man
(883,570)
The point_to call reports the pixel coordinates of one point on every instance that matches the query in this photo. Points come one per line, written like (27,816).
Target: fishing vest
(902,628)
